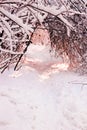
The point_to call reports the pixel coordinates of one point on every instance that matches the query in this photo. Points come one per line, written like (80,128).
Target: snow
(54,11)
(16,19)
(28,102)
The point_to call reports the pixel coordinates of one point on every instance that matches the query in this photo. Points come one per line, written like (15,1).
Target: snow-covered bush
(65,20)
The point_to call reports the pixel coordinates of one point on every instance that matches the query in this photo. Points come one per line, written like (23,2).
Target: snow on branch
(12,2)
(17,20)
(53,10)
(65,21)
(11,52)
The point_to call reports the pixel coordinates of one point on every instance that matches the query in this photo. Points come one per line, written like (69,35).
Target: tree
(66,21)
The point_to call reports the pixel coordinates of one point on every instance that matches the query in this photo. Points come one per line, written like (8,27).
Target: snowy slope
(42,100)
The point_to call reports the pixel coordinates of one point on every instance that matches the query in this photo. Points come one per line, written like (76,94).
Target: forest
(64,20)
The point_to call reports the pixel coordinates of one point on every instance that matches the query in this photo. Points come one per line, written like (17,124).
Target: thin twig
(29,42)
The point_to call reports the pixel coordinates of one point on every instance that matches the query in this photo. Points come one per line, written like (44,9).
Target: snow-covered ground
(42,95)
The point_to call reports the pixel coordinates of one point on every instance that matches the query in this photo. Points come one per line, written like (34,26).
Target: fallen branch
(79,83)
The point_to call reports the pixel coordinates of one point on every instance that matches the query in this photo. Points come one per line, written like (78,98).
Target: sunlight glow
(44,70)
(27,60)
(43,77)
(62,66)
(15,74)
(55,68)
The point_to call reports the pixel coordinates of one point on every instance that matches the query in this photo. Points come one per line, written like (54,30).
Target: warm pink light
(60,66)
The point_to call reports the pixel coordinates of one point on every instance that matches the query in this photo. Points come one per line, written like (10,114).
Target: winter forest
(43,64)
(64,20)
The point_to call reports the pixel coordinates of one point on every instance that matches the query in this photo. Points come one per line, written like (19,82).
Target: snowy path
(29,102)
